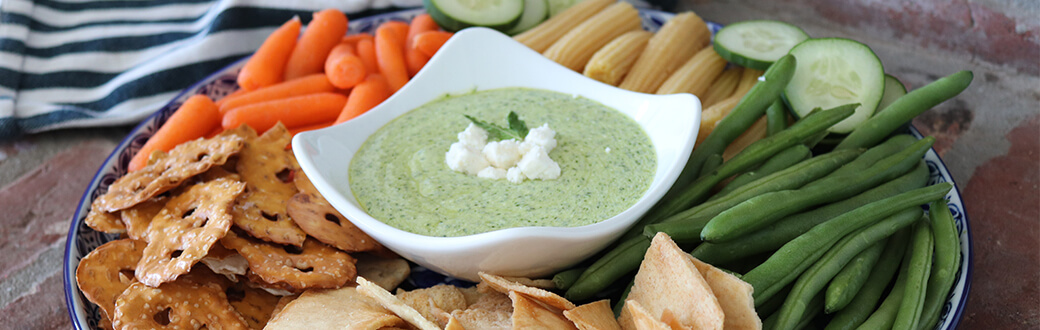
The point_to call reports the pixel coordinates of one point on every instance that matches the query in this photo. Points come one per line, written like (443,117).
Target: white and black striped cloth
(77,63)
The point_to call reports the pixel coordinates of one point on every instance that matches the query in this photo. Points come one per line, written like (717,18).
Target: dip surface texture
(400,177)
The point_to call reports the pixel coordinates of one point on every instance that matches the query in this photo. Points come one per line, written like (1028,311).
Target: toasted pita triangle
(593,316)
(734,297)
(504,285)
(530,314)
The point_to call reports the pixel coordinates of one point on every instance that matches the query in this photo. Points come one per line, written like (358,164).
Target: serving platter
(82,239)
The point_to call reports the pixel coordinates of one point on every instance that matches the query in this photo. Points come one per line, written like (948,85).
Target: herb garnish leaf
(517,128)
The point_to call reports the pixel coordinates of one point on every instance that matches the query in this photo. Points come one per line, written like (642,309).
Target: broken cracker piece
(343,308)
(388,273)
(593,316)
(668,281)
(318,218)
(394,304)
(734,295)
(102,221)
(168,171)
(528,313)
(504,285)
(434,303)
(185,229)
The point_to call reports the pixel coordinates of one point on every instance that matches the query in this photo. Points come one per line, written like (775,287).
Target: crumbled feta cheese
(463,159)
(536,164)
(473,137)
(607,150)
(503,154)
(492,172)
(515,175)
(542,136)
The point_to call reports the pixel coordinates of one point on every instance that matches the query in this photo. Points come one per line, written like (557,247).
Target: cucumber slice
(894,89)
(535,11)
(556,6)
(833,72)
(757,44)
(454,15)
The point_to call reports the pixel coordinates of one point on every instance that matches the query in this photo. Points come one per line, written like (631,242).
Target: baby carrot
(366,50)
(194,119)
(415,60)
(430,41)
(343,68)
(390,55)
(400,30)
(293,112)
(354,38)
(315,83)
(420,24)
(231,95)
(322,34)
(300,129)
(365,96)
(267,66)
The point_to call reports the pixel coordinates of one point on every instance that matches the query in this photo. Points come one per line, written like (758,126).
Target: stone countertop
(989,137)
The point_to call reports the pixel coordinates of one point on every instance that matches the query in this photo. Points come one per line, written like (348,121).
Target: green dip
(399,176)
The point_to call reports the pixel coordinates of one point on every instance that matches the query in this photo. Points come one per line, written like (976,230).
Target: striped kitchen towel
(79,63)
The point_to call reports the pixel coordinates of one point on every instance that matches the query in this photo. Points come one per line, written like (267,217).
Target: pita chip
(593,316)
(734,297)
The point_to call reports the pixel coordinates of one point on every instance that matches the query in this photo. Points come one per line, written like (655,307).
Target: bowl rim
(617,222)
(71,289)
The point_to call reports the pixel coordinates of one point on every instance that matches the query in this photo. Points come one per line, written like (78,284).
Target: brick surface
(1001,200)
(38,207)
(42,308)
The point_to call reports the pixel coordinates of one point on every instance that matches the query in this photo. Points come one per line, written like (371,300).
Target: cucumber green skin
(794,112)
(758,212)
(742,60)
(784,266)
(923,246)
(894,89)
(744,114)
(851,279)
(815,279)
(521,26)
(947,259)
(686,226)
(906,108)
(450,24)
(863,304)
(775,236)
(780,161)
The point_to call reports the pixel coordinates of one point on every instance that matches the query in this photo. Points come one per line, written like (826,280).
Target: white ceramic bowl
(480,59)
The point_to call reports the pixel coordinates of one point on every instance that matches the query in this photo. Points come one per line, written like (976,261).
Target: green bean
(904,109)
(755,153)
(876,153)
(812,309)
(923,246)
(776,235)
(947,259)
(769,307)
(765,209)
(799,254)
(850,279)
(814,279)
(885,314)
(713,162)
(780,161)
(685,227)
(565,279)
(622,260)
(776,118)
(744,114)
(866,300)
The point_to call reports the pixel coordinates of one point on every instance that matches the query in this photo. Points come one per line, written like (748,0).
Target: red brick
(39,206)
(1002,201)
(43,308)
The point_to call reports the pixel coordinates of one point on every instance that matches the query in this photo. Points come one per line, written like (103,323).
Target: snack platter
(82,239)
